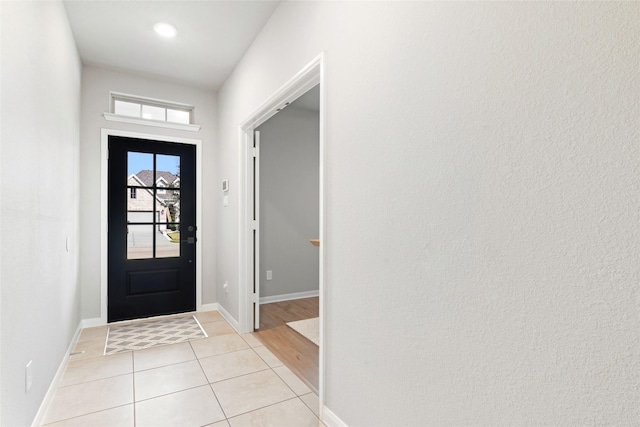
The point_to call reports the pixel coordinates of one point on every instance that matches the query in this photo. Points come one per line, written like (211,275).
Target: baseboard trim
(48,397)
(331,419)
(289,297)
(233,322)
(209,307)
(90,323)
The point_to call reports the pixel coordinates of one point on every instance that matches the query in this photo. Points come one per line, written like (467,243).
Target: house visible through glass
(153,206)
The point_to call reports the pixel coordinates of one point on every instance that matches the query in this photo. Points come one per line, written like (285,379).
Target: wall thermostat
(225,185)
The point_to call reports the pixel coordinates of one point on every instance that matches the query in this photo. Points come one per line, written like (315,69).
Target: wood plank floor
(295,351)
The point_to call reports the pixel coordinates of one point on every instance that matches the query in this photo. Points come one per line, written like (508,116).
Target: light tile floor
(228,380)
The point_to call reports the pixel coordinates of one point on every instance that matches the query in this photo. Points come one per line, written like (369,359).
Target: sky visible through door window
(140,161)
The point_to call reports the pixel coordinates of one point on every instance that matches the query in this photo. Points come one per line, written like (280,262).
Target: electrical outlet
(269,274)
(28,376)
(226,287)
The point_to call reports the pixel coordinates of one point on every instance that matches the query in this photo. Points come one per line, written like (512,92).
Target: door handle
(189,241)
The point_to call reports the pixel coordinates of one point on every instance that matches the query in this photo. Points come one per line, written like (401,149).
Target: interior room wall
(481,203)
(97,83)
(39,163)
(289,202)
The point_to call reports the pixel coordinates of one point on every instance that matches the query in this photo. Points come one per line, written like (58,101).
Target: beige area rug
(308,328)
(154,333)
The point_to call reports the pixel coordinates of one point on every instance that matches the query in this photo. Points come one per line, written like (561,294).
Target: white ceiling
(212,36)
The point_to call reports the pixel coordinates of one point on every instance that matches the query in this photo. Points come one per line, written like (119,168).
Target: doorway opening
(152,228)
(288,205)
(253,273)
(145,227)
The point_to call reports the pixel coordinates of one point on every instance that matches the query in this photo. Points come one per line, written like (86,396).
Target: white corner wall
(481,203)
(97,83)
(39,211)
(289,202)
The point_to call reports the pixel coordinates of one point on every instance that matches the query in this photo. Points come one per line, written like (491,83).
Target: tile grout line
(239,376)
(211,388)
(172,392)
(269,368)
(93,380)
(205,375)
(265,361)
(286,383)
(218,354)
(84,415)
(133,368)
(226,353)
(296,395)
(310,408)
(166,366)
(176,391)
(274,404)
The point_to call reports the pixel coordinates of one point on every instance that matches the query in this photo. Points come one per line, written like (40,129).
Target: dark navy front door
(151,228)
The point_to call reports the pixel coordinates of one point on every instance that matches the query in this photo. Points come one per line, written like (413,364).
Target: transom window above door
(145,108)
(150,111)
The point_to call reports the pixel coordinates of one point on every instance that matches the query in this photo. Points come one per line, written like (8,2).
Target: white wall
(481,204)
(96,85)
(289,201)
(39,210)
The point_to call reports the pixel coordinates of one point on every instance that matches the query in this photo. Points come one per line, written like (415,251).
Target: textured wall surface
(289,201)
(96,85)
(482,196)
(39,210)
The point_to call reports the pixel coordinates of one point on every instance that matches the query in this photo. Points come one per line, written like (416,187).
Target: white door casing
(104,154)
(311,75)
(256,229)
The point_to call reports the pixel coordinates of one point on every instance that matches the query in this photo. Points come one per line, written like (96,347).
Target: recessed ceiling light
(165,30)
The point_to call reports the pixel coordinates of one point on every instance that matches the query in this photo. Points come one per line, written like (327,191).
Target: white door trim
(104,152)
(311,75)
(256,229)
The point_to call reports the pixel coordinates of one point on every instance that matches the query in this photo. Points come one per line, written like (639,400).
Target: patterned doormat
(138,336)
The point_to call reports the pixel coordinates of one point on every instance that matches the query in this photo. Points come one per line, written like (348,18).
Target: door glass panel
(168,171)
(140,206)
(170,223)
(153,214)
(140,241)
(140,165)
(173,216)
(168,242)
